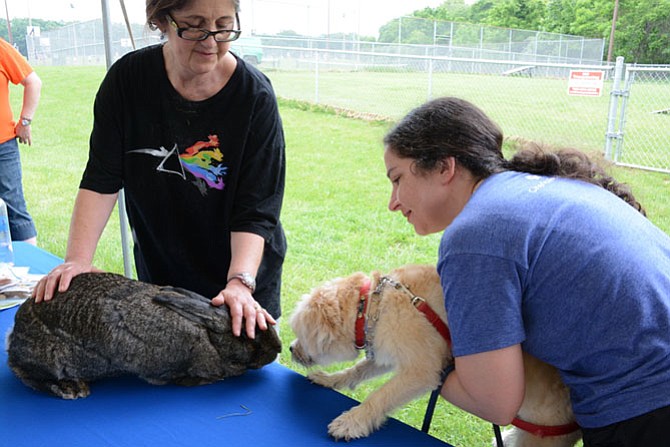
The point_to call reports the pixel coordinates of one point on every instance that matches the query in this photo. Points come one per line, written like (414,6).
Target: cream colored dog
(380,314)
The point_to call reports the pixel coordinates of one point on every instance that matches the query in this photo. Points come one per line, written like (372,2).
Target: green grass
(535,108)
(335,210)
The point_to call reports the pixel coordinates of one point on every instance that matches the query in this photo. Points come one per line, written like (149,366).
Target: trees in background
(645,32)
(642,29)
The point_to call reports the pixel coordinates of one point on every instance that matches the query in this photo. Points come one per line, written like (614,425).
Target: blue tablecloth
(284,409)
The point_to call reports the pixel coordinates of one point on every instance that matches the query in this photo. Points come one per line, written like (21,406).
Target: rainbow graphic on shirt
(205,161)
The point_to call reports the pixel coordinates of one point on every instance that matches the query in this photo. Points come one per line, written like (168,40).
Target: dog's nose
(290,348)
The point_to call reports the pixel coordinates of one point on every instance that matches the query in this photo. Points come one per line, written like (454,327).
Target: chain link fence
(83,43)
(469,40)
(520,78)
(528,99)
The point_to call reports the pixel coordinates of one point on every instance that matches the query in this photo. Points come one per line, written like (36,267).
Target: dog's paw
(335,381)
(354,424)
(322,378)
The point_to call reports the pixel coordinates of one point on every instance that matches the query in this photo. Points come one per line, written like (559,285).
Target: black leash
(499,440)
(430,409)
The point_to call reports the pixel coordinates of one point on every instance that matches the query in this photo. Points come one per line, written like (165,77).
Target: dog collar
(364,293)
(544,431)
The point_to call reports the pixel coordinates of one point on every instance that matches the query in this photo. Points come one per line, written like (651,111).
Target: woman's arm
(89,217)
(490,384)
(246,255)
(32,86)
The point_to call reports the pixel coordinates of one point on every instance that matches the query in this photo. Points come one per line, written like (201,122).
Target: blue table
(285,409)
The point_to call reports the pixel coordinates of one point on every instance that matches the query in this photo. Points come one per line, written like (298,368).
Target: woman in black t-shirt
(193,136)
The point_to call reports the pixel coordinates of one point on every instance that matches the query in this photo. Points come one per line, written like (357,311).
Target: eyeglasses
(221,35)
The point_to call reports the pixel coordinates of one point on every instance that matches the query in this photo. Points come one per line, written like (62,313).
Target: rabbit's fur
(107,325)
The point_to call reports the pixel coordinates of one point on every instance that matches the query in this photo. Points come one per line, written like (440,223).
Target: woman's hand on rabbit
(59,279)
(243,306)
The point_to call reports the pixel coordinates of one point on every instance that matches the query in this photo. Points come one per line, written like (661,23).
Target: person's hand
(243,307)
(59,279)
(23,134)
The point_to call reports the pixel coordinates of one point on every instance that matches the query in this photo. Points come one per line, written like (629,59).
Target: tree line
(19,30)
(641,27)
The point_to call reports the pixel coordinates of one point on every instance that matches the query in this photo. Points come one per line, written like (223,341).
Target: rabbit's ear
(194,307)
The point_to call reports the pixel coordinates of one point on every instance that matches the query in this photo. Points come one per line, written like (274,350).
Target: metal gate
(638,133)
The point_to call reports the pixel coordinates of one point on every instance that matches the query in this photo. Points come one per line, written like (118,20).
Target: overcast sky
(311,17)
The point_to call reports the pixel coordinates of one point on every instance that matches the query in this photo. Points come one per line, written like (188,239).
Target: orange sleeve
(13,68)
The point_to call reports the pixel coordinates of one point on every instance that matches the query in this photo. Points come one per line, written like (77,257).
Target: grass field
(335,210)
(535,108)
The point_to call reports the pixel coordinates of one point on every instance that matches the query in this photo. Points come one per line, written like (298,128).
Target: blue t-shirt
(573,273)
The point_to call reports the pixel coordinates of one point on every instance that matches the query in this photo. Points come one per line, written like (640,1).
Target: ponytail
(535,158)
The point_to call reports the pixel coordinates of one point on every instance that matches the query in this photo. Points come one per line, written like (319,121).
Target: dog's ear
(317,320)
(327,306)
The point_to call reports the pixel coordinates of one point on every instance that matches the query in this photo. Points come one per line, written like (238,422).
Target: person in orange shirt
(15,69)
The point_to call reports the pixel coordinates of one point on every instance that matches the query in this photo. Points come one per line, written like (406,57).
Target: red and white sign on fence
(585,83)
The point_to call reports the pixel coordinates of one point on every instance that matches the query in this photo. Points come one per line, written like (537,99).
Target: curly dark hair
(540,159)
(449,127)
(452,127)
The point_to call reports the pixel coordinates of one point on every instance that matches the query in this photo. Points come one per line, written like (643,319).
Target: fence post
(316,76)
(612,134)
(430,76)
(629,78)
(121,201)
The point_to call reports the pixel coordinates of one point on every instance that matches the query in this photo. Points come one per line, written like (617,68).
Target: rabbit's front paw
(70,389)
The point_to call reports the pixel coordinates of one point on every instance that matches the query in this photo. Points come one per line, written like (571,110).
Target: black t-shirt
(192,172)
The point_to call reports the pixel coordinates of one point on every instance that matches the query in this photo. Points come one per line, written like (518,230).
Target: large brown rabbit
(106,325)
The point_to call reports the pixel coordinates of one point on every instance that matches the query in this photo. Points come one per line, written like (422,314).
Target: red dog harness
(360,316)
(545,431)
(418,302)
(433,318)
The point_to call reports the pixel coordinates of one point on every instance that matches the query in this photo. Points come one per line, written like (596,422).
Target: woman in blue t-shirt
(546,253)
